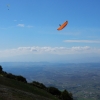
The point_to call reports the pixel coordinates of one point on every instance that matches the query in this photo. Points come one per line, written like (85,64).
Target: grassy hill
(14,90)
(15,87)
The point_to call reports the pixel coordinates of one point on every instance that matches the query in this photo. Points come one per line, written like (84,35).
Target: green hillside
(16,90)
(15,87)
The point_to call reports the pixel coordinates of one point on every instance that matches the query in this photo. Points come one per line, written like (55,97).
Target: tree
(66,96)
(21,78)
(11,76)
(0,68)
(39,85)
(18,78)
(54,91)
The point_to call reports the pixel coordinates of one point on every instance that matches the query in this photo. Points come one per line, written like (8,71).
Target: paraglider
(63,25)
(8,6)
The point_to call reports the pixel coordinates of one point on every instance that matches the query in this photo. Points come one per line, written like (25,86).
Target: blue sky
(28,30)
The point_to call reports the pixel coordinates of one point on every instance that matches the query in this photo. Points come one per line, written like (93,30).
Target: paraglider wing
(8,5)
(63,25)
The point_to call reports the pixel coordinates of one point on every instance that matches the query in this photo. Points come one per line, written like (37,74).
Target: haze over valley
(82,79)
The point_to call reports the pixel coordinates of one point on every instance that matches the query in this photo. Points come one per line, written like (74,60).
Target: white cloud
(21,25)
(15,20)
(82,41)
(81,48)
(49,50)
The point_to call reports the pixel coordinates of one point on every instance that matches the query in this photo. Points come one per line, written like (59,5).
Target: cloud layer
(49,50)
(82,41)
